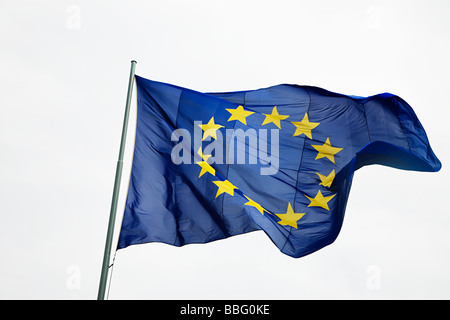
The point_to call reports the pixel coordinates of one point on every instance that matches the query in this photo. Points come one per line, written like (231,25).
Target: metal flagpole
(115,197)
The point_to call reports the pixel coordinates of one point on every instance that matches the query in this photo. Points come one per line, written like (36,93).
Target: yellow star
(320,201)
(304,127)
(210,129)
(254,204)
(326,181)
(224,186)
(206,167)
(326,150)
(239,114)
(289,218)
(274,117)
(203,156)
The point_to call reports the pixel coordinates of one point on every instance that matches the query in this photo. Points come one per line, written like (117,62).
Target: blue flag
(208,166)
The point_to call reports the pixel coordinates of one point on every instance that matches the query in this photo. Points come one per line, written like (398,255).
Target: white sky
(64,69)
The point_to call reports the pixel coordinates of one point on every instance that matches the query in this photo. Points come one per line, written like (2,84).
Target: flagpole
(115,197)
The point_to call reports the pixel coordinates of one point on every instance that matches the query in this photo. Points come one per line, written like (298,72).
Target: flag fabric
(207,166)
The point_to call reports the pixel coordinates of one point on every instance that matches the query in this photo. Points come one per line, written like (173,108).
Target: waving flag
(281,159)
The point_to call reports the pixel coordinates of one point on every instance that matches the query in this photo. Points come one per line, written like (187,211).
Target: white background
(64,69)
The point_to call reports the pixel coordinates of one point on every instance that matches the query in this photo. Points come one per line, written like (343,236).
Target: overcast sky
(64,69)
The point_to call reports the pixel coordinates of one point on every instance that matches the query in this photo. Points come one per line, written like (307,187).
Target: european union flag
(208,166)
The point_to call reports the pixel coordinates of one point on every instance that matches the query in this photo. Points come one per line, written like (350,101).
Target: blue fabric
(172,203)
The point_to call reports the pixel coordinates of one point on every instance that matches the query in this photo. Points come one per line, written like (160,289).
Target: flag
(207,166)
